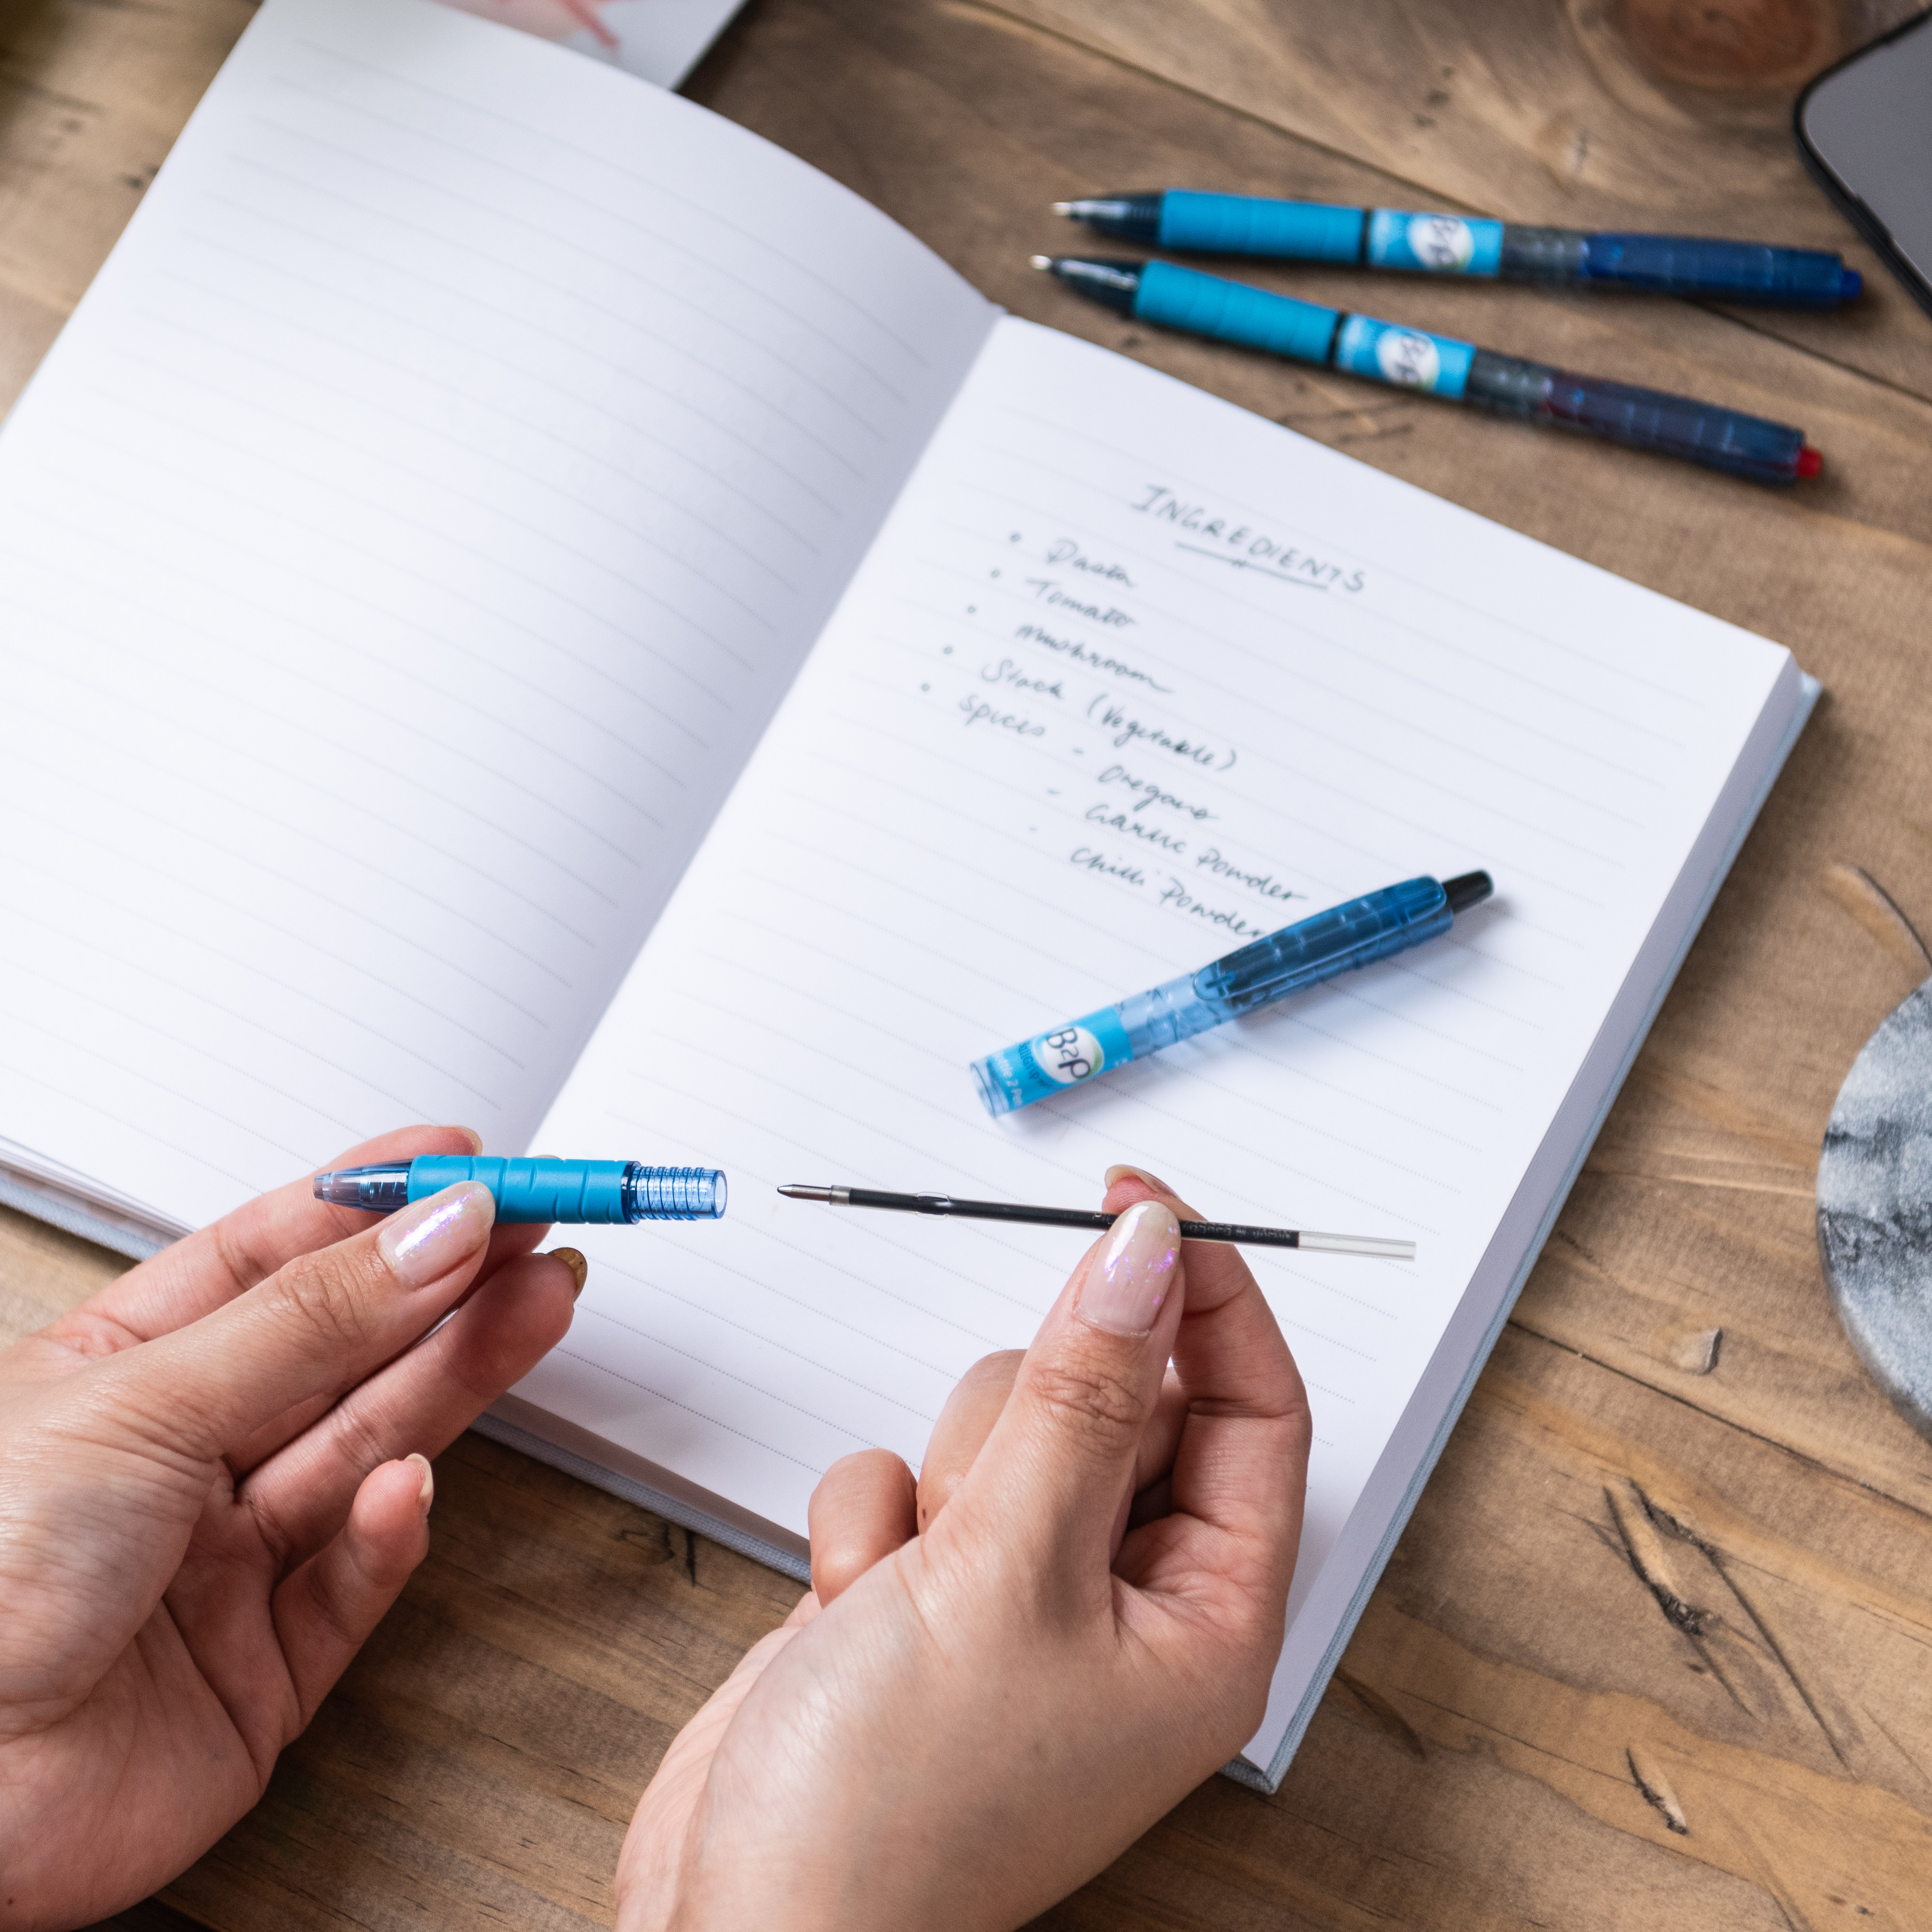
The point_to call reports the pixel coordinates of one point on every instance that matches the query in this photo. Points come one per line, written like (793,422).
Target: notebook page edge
(78,1210)
(1799,692)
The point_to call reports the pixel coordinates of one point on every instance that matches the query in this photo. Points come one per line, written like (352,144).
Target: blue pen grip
(1242,224)
(1178,297)
(531,1189)
(1743,271)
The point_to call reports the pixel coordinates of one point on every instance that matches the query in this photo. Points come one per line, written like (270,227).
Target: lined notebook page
(1129,677)
(400,552)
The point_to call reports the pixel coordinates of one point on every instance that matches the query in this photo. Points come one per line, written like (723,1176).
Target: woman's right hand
(1006,1672)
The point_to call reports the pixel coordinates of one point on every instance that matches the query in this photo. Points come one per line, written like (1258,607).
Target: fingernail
(428,1491)
(1119,1171)
(422,1242)
(1125,1288)
(470,1134)
(580,1268)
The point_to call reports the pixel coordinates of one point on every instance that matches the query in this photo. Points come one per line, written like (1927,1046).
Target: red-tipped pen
(1810,461)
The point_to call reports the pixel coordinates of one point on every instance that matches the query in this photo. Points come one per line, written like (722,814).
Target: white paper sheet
(1126,669)
(400,552)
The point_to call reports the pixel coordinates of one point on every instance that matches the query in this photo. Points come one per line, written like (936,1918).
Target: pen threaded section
(673,1193)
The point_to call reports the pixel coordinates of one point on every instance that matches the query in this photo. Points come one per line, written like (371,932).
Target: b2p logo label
(1441,241)
(1409,358)
(1068,1053)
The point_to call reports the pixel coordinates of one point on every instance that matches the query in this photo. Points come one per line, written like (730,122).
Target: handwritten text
(1128,730)
(1229,536)
(1073,648)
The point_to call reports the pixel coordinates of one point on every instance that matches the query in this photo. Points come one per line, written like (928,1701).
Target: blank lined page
(1130,677)
(400,552)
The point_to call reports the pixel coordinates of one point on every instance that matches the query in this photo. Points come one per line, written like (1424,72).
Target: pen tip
(797,1192)
(1063,207)
(1040,261)
(1810,460)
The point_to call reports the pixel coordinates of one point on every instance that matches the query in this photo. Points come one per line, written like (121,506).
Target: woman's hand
(1004,1673)
(203,1512)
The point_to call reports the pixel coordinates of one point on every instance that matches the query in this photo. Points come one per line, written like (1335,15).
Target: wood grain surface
(1651,1653)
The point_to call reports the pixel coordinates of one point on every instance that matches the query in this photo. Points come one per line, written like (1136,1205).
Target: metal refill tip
(1040,261)
(1063,207)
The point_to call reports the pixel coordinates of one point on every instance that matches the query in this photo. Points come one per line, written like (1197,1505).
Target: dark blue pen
(1457,244)
(1386,351)
(1357,933)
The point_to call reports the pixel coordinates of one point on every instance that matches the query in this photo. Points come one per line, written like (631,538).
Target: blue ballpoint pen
(1456,244)
(536,1189)
(1386,351)
(1352,934)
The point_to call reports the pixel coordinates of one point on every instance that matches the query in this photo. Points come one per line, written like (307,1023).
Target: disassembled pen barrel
(575,1192)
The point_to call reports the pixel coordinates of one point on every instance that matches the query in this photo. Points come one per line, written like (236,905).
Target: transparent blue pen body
(1742,270)
(1356,934)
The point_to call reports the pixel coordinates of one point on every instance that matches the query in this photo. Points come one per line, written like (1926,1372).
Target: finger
(1216,1270)
(1155,1462)
(1241,1464)
(974,1406)
(1151,1493)
(261,1443)
(964,1424)
(319,1324)
(420,1402)
(1063,1452)
(861,1512)
(325,1611)
(204,1269)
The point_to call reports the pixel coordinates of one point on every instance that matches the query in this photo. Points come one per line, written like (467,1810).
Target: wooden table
(1652,1652)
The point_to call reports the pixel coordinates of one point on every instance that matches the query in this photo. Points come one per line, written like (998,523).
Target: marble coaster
(1875,1207)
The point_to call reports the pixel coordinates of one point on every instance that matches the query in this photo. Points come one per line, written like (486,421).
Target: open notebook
(525,605)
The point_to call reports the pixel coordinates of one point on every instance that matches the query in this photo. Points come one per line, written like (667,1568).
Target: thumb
(1061,1455)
